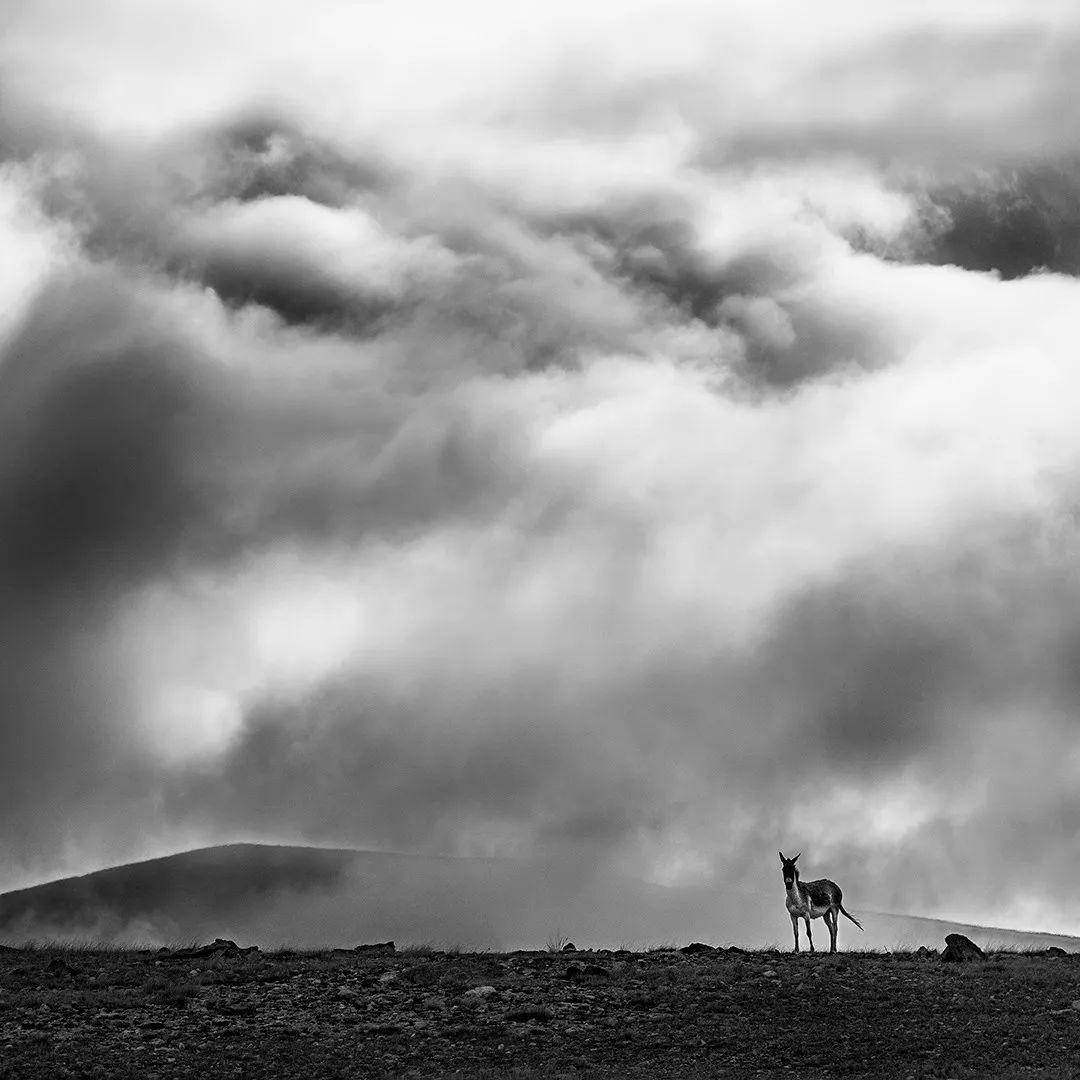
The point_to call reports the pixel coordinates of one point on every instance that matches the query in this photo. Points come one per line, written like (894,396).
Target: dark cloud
(264,153)
(103,411)
(301,296)
(1014,223)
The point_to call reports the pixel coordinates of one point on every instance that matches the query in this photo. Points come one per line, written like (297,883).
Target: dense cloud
(651,459)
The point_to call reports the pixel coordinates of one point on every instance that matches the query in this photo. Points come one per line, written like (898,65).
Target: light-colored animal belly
(815,911)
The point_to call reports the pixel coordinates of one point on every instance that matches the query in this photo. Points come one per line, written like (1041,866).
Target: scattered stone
(526,1013)
(480,992)
(347,993)
(1075,1004)
(924,953)
(238,1009)
(961,950)
(696,947)
(569,947)
(389,977)
(377,948)
(770,973)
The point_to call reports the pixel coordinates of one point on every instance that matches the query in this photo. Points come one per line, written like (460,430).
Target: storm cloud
(646,437)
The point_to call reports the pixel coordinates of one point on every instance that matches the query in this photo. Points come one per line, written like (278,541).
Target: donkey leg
(795,929)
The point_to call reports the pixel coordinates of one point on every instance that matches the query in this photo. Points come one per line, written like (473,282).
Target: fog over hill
(270,895)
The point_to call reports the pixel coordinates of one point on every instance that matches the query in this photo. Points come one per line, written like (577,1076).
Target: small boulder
(925,953)
(59,966)
(377,948)
(1055,950)
(569,947)
(539,1014)
(696,947)
(219,947)
(577,970)
(480,992)
(961,950)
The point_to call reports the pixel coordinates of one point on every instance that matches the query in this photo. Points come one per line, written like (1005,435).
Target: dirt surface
(86,1013)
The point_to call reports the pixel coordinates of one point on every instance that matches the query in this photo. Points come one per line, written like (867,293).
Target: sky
(642,432)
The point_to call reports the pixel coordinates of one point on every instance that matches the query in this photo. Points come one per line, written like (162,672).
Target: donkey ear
(796,857)
(781,854)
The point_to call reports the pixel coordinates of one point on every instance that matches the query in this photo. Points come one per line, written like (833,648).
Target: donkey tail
(850,916)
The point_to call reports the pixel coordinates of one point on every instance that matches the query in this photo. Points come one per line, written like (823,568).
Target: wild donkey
(812,900)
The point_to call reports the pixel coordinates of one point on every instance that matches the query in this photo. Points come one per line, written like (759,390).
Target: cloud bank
(641,434)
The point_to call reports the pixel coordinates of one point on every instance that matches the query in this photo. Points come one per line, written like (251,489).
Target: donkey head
(788,869)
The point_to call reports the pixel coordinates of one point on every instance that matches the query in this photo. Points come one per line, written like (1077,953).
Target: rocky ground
(219,1012)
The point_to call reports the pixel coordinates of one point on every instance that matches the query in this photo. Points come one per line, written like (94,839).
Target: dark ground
(102,1013)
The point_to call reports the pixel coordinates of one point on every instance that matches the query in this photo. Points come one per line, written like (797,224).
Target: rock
(389,977)
(1075,1004)
(347,993)
(923,953)
(480,992)
(576,970)
(696,947)
(1055,950)
(569,947)
(377,948)
(526,1013)
(218,947)
(960,950)
(58,966)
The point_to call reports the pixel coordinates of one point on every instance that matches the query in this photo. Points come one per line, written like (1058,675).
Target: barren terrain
(419,1012)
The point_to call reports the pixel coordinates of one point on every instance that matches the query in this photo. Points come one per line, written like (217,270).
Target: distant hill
(303,896)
